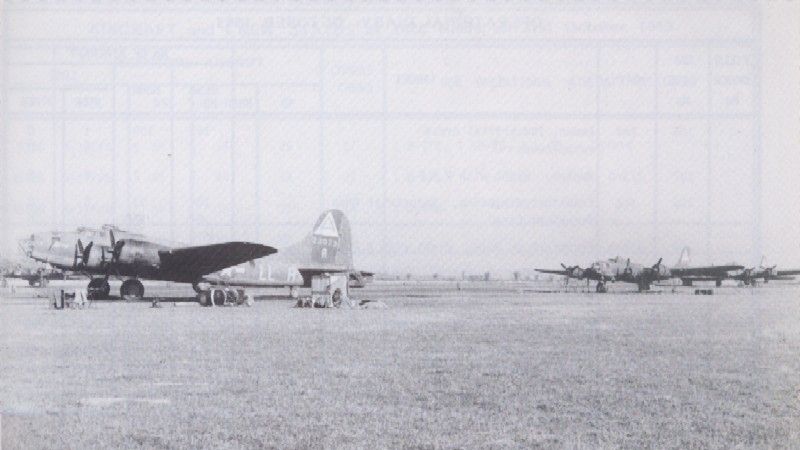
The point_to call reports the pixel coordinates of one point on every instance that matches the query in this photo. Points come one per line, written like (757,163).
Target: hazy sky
(497,137)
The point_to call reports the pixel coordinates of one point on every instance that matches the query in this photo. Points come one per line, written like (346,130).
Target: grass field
(473,369)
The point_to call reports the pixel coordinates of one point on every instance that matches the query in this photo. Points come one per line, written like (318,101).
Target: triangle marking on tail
(327,227)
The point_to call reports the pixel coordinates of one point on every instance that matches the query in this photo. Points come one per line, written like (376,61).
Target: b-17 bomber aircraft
(109,251)
(326,249)
(619,269)
(615,269)
(747,276)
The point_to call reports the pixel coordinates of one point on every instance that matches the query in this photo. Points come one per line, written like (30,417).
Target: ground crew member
(337,298)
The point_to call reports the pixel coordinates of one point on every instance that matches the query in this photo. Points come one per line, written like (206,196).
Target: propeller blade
(562,265)
(86,252)
(117,251)
(79,246)
(111,238)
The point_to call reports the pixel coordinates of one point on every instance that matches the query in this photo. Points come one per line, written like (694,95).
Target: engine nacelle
(138,253)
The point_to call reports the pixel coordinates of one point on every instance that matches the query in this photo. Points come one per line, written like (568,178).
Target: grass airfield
(443,366)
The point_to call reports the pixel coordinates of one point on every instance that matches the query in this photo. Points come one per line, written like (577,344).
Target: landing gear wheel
(204,298)
(719,283)
(218,297)
(32,282)
(98,289)
(601,287)
(131,289)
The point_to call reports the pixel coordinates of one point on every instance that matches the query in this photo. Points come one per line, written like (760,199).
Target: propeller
(116,247)
(655,270)
(770,271)
(628,269)
(747,275)
(81,253)
(573,271)
(657,265)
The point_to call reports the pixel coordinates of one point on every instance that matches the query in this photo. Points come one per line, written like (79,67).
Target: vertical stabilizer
(686,258)
(328,245)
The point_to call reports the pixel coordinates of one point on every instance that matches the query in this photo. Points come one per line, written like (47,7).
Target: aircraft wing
(702,277)
(561,272)
(788,272)
(782,278)
(190,263)
(708,271)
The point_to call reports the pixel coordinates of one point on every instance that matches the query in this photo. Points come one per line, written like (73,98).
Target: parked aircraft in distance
(615,269)
(747,276)
(35,275)
(619,269)
(109,251)
(326,249)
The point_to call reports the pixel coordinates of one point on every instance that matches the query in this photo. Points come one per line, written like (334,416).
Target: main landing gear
(131,289)
(601,287)
(98,289)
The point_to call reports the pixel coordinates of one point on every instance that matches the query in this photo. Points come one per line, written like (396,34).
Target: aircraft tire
(203,298)
(218,297)
(131,289)
(98,289)
(31,283)
(719,283)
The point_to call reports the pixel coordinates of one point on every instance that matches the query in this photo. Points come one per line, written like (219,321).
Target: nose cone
(38,245)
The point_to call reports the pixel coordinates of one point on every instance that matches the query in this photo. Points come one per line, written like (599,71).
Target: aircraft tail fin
(328,245)
(685,259)
(763,263)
